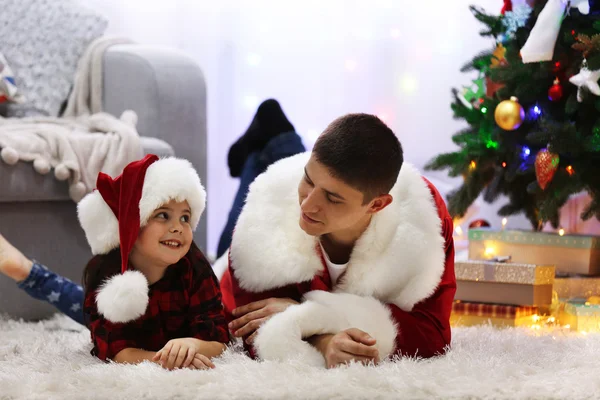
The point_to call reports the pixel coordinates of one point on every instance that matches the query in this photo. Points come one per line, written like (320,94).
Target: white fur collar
(399,259)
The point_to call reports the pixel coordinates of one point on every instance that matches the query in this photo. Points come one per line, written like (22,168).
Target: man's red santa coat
(398,287)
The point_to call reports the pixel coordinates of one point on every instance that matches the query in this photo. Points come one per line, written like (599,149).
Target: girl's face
(167,236)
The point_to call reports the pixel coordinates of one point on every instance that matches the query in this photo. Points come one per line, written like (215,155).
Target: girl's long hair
(100,268)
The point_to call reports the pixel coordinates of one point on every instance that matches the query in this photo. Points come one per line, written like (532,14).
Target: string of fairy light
(533,114)
(552,318)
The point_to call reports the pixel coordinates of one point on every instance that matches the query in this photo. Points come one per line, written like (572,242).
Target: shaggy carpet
(50,360)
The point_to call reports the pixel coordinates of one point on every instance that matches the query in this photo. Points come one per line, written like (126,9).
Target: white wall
(320,59)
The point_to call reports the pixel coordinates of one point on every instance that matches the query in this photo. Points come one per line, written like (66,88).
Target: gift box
(581,317)
(504,283)
(573,254)
(576,287)
(470,314)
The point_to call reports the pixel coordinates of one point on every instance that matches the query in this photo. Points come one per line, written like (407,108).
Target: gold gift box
(504,283)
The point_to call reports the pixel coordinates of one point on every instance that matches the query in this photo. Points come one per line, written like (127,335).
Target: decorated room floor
(50,360)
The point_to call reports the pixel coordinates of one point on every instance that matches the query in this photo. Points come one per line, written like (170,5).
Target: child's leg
(52,288)
(12,262)
(41,283)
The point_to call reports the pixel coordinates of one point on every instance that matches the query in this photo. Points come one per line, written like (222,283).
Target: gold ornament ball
(509,114)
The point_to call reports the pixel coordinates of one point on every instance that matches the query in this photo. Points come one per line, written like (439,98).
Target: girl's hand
(200,361)
(178,353)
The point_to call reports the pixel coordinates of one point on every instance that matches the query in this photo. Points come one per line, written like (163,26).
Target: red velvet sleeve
(235,296)
(425,331)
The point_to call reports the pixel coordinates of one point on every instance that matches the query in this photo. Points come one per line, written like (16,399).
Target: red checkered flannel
(186,302)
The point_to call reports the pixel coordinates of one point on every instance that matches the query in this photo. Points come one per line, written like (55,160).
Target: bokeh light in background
(394,58)
(254,60)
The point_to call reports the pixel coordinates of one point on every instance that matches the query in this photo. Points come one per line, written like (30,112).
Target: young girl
(150,294)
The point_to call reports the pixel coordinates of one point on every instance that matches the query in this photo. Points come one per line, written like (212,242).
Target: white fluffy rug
(50,360)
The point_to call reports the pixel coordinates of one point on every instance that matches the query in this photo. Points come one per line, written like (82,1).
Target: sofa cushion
(20,182)
(42,41)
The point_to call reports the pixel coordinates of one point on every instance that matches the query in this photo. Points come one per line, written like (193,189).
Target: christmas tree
(533,112)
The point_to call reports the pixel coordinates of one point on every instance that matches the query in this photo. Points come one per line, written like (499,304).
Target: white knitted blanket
(82,143)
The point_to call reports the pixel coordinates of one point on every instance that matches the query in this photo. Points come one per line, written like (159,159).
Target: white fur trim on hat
(172,179)
(99,223)
(123,297)
(166,179)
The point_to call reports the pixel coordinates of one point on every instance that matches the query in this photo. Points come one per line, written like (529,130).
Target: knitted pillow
(8,89)
(43,41)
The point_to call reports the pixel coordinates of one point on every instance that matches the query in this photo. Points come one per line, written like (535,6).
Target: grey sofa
(167,90)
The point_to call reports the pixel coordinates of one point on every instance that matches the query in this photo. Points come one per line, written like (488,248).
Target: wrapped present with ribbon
(504,283)
(570,254)
(580,316)
(470,314)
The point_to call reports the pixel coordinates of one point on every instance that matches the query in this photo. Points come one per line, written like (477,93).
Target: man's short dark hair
(362,151)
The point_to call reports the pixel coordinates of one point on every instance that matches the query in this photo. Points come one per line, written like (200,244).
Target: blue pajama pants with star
(54,289)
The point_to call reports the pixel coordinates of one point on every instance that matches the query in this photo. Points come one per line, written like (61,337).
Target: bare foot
(12,262)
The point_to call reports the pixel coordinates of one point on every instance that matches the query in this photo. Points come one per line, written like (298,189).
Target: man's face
(327,204)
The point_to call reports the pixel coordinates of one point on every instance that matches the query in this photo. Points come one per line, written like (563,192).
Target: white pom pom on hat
(124,297)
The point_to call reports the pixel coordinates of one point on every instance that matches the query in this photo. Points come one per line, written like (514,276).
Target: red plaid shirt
(186,302)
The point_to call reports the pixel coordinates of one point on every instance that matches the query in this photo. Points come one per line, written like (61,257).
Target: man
(342,254)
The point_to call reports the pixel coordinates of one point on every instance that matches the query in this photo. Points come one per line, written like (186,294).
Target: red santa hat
(112,216)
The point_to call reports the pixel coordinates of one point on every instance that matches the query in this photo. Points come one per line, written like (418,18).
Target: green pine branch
(494,162)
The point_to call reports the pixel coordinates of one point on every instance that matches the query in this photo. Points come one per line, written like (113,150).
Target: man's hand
(349,345)
(251,316)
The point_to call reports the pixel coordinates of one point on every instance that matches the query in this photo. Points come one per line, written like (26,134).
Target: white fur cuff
(281,338)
